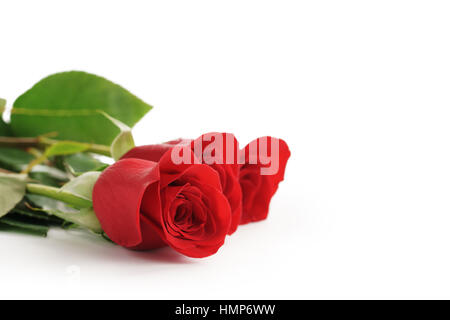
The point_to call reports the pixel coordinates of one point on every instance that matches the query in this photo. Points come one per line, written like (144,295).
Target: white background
(358,89)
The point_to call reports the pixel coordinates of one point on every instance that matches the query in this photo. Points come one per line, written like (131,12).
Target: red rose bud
(218,150)
(145,204)
(264,163)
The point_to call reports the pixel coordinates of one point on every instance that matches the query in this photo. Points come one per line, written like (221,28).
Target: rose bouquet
(188,194)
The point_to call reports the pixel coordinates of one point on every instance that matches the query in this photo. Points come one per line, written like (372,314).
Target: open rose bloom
(188,194)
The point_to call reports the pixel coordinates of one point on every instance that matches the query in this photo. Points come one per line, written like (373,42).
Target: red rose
(263,169)
(145,204)
(218,150)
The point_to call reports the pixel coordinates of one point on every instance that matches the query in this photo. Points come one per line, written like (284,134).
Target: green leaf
(46,178)
(80,188)
(13,226)
(51,171)
(84,217)
(82,162)
(12,190)
(83,185)
(35,215)
(70,103)
(4,128)
(14,159)
(58,149)
(17,160)
(47,204)
(123,142)
(31,214)
(65,148)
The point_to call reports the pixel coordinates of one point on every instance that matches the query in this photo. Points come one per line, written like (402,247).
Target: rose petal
(257,189)
(117,198)
(227,167)
(151,152)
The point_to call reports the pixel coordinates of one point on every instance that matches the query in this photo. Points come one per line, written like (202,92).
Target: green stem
(94,148)
(58,194)
(19,142)
(45,142)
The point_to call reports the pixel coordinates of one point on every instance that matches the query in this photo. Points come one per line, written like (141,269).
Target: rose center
(189,212)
